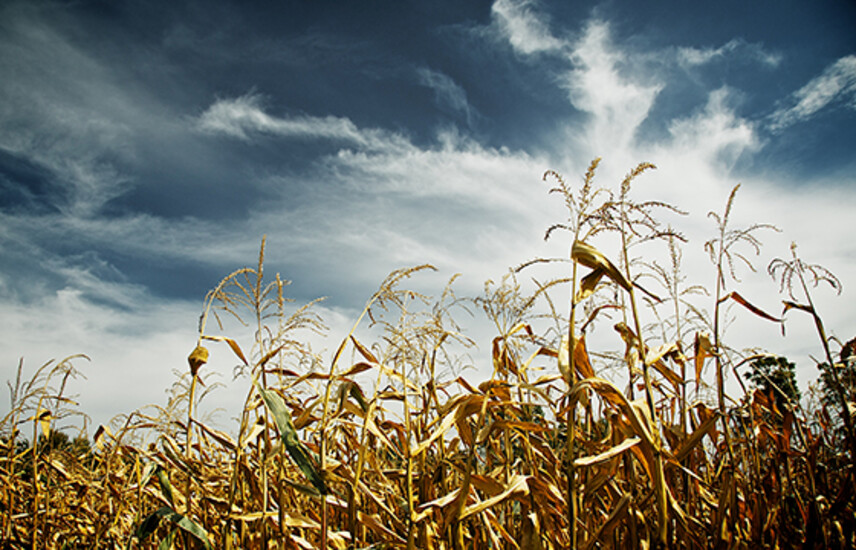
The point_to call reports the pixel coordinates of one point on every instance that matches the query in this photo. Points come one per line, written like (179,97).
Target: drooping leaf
(298,452)
(703,348)
(517,486)
(588,284)
(364,351)
(751,307)
(589,256)
(150,524)
(582,363)
(197,358)
(236,349)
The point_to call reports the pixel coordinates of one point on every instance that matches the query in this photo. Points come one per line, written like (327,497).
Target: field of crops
(386,445)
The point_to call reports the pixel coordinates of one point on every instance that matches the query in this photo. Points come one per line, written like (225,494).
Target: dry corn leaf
(44,417)
(517,486)
(236,349)
(751,307)
(564,359)
(364,351)
(197,358)
(100,434)
(612,452)
(499,388)
(357,368)
(465,407)
(695,438)
(219,436)
(636,415)
(502,362)
(703,348)
(793,305)
(258,428)
(616,516)
(581,358)
(588,284)
(589,256)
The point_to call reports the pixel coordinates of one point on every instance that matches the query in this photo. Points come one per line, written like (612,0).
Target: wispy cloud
(837,82)
(525,28)
(61,112)
(714,133)
(693,57)
(244,116)
(617,102)
(447,92)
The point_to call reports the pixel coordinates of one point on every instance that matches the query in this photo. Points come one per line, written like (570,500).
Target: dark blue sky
(146,147)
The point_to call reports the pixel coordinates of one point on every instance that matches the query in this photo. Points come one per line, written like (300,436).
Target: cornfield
(387,445)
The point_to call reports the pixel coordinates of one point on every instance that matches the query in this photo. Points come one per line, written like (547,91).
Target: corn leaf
(151,523)
(298,452)
(589,256)
(608,454)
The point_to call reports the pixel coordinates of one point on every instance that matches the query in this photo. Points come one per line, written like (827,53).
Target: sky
(146,147)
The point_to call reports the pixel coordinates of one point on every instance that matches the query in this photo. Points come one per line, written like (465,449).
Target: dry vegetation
(387,446)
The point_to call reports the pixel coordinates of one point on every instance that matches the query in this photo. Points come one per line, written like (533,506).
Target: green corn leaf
(165,485)
(151,523)
(299,453)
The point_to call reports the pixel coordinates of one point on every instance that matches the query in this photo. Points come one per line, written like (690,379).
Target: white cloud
(837,81)
(715,134)
(448,92)
(526,30)
(459,204)
(597,85)
(243,116)
(692,57)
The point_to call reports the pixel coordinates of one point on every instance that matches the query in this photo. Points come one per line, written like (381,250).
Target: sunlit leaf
(589,256)
(197,358)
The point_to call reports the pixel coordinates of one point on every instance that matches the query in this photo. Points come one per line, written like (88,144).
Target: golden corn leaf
(197,358)
(581,358)
(612,394)
(693,440)
(100,434)
(589,256)
(517,486)
(608,454)
(220,437)
(466,406)
(236,349)
(44,418)
(619,513)
(565,361)
(364,351)
(588,284)
(703,348)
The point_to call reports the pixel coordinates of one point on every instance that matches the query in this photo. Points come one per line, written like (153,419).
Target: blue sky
(146,147)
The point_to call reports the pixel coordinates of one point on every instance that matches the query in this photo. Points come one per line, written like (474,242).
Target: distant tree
(846,371)
(776,375)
